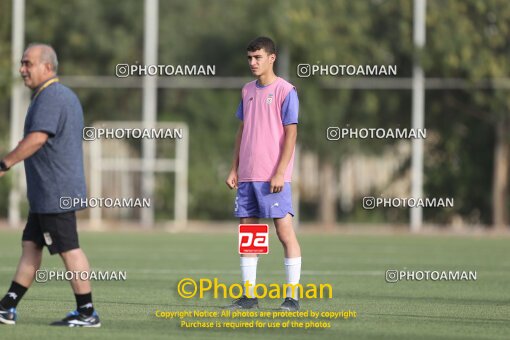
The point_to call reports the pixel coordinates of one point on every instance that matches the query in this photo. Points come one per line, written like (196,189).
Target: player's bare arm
(26,148)
(232,176)
(286,154)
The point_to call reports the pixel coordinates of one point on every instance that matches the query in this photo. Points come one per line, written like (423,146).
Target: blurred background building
(464,60)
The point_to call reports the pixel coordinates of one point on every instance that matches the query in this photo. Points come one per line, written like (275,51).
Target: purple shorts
(254,199)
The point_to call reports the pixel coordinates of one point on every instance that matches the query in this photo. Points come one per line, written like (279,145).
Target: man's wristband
(3,167)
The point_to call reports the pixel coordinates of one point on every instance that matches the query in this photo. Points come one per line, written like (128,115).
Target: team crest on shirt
(48,239)
(269,99)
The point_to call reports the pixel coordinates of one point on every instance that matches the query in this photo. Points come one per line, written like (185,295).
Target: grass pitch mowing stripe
(353,265)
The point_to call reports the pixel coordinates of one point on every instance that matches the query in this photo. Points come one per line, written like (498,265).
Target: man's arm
(288,148)
(26,148)
(232,177)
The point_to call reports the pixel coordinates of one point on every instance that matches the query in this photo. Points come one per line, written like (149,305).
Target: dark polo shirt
(56,169)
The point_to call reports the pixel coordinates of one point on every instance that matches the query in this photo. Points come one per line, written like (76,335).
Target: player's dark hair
(262,43)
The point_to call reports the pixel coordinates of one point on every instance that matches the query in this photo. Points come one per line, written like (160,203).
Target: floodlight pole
(150,97)
(17,100)
(418,115)
(283,64)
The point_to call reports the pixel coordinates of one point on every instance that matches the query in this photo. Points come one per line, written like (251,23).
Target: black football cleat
(290,305)
(76,319)
(8,316)
(244,302)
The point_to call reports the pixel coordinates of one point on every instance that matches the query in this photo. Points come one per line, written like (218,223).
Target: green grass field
(354,265)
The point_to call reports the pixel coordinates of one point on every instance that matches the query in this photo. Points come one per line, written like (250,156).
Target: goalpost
(117,167)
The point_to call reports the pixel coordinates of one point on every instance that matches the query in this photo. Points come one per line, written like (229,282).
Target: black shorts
(56,231)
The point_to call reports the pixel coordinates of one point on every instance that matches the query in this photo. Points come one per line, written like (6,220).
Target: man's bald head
(39,63)
(47,54)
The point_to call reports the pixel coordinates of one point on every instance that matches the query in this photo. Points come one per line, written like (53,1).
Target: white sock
(292,274)
(249,273)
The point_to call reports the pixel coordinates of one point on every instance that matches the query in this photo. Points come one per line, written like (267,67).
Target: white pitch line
(272,272)
(221,272)
(188,272)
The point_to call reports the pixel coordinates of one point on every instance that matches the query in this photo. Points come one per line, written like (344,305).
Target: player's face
(260,62)
(32,70)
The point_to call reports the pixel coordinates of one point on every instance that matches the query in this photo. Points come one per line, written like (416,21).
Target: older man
(53,156)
